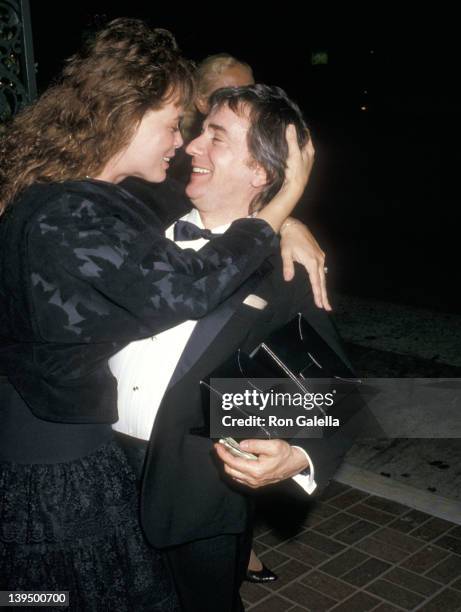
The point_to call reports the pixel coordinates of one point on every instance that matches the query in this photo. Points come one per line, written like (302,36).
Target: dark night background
(383,198)
(383,201)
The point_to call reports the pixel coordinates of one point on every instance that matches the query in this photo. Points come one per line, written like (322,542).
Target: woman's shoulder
(72,200)
(74,214)
(90,192)
(41,196)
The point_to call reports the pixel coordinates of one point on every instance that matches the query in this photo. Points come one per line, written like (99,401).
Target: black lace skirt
(73,526)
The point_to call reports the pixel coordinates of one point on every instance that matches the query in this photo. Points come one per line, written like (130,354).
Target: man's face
(223,177)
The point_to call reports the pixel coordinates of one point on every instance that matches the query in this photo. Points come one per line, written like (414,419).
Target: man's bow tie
(183,230)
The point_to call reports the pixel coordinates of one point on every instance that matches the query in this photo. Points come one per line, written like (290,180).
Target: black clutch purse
(293,363)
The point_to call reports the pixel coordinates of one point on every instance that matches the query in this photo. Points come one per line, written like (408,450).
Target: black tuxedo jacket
(185,496)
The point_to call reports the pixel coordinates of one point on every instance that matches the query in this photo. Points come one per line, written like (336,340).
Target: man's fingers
(248,472)
(243,466)
(263,447)
(275,459)
(231,469)
(248,481)
(242,482)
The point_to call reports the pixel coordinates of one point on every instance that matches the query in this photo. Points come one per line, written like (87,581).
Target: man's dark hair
(269,111)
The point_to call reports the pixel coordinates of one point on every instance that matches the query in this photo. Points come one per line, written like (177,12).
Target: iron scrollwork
(17,68)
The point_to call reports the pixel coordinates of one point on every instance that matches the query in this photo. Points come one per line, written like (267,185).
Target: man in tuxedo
(194,498)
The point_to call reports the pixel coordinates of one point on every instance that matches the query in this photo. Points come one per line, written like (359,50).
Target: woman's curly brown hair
(78,124)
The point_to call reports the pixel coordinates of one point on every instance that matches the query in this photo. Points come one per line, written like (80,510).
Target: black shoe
(263,575)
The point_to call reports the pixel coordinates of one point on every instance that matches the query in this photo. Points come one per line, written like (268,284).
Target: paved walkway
(397,328)
(396,341)
(356,552)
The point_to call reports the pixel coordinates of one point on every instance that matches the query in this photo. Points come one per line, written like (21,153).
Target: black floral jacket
(85,269)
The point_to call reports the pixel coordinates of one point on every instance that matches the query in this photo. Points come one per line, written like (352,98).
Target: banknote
(234,448)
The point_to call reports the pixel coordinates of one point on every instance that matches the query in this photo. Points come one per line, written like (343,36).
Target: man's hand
(277,461)
(298,244)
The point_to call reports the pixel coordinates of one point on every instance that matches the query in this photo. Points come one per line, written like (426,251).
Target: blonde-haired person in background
(212,73)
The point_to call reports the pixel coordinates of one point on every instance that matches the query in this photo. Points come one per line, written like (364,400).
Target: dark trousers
(207,573)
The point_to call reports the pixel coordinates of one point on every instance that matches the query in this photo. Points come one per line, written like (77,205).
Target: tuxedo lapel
(204,333)
(208,328)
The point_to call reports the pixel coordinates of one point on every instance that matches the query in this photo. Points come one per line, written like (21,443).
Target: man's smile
(200,170)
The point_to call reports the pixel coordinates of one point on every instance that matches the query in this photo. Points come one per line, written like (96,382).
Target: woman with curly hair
(85,269)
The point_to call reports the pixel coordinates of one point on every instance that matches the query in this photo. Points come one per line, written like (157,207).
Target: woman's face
(152,146)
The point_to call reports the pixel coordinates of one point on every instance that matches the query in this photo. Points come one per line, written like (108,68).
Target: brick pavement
(355,552)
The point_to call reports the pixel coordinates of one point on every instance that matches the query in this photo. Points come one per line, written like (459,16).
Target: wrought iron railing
(17,67)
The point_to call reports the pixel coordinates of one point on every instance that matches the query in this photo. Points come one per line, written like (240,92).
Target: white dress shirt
(144,368)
